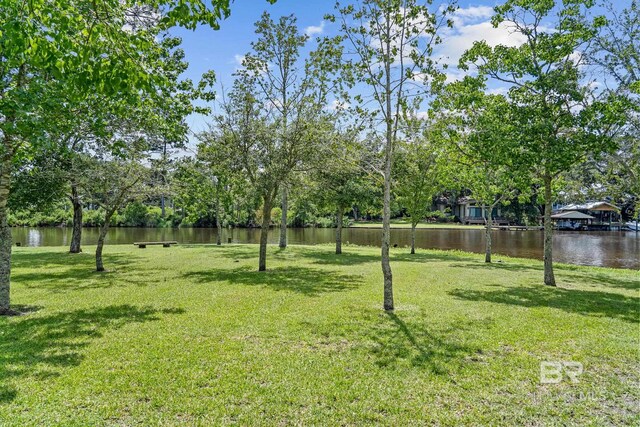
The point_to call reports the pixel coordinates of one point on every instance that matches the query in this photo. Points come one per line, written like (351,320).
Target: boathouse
(595,216)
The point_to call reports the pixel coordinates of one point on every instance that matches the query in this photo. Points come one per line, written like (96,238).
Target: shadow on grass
(40,347)
(39,259)
(399,337)
(567,273)
(326,255)
(233,251)
(79,280)
(354,258)
(43,270)
(588,303)
(306,281)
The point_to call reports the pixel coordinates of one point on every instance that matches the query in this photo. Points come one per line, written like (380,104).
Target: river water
(606,249)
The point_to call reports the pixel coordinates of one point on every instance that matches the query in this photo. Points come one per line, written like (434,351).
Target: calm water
(607,249)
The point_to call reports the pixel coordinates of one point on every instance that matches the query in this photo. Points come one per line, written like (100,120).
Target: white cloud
(472,24)
(472,14)
(315,30)
(463,37)
(498,91)
(338,105)
(577,58)
(454,74)
(238,59)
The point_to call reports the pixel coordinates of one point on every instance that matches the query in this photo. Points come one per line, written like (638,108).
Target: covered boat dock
(591,216)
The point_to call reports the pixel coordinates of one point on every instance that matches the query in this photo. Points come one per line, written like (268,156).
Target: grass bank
(398,223)
(193,335)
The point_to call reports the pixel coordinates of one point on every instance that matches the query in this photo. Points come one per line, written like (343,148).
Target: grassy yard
(399,223)
(193,335)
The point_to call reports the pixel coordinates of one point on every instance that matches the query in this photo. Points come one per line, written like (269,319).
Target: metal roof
(592,206)
(571,215)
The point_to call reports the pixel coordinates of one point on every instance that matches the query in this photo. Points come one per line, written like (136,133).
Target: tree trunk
(5,237)
(264,232)
(549,278)
(283,221)
(218,222)
(386,202)
(413,238)
(339,231)
(164,177)
(386,239)
(101,238)
(386,225)
(76,235)
(487,236)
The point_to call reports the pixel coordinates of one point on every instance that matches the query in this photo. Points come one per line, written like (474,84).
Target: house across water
(588,216)
(470,211)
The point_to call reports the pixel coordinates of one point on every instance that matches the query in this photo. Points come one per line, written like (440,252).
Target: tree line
(365,118)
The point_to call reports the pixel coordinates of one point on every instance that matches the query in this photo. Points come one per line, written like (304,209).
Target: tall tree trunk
(101,238)
(413,237)
(386,235)
(218,222)
(76,235)
(5,234)
(549,278)
(164,177)
(487,235)
(283,220)
(386,223)
(386,202)
(264,231)
(339,230)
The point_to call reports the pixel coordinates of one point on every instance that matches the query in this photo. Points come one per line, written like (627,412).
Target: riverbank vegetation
(369,123)
(309,134)
(194,335)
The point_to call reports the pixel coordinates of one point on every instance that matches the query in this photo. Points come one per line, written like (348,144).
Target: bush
(27,218)
(135,215)
(93,218)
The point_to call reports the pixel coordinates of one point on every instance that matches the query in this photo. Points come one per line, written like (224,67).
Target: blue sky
(222,50)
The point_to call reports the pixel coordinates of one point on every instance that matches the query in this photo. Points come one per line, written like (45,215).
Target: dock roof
(571,215)
(591,206)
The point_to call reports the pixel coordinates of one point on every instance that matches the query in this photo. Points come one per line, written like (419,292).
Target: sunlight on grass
(194,335)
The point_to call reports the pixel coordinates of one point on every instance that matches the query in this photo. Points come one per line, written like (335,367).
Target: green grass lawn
(399,223)
(192,335)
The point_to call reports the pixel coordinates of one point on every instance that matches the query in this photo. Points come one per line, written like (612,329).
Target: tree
(339,178)
(270,117)
(37,184)
(557,116)
(616,52)
(479,138)
(420,174)
(113,182)
(392,42)
(56,51)
(244,134)
(211,180)
(286,82)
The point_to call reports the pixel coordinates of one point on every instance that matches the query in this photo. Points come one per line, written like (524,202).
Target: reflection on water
(608,249)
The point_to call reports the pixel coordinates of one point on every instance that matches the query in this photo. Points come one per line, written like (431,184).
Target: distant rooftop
(590,206)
